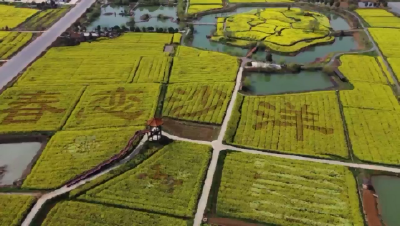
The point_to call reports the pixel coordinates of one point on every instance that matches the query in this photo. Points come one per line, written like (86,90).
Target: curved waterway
(388,190)
(343,44)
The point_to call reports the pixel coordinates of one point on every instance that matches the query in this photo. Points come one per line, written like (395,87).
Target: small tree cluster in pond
(200,102)
(287,192)
(70,153)
(14,208)
(169,182)
(307,124)
(82,213)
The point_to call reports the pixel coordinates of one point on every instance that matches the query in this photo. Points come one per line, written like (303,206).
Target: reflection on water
(266,83)
(16,156)
(116,19)
(388,190)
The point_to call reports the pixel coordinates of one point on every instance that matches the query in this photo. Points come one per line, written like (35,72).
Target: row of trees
(376,4)
(124,28)
(326,2)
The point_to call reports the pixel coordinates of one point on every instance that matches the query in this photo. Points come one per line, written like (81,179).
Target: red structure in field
(154,129)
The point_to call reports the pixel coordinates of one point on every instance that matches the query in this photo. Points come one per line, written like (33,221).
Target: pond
(388,190)
(153,11)
(342,44)
(16,156)
(273,83)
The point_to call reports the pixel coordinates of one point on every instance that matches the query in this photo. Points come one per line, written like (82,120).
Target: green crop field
(204,69)
(168,182)
(81,213)
(199,102)
(76,151)
(114,105)
(153,69)
(306,124)
(287,192)
(13,208)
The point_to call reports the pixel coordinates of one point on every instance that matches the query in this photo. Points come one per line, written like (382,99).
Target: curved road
(28,54)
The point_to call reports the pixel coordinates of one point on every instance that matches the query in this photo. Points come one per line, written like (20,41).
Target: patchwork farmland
(205,112)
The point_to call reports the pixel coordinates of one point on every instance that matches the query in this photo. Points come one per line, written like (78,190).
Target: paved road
(11,69)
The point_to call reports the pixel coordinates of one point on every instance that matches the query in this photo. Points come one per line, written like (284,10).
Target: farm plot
(185,51)
(14,208)
(379,18)
(196,6)
(153,69)
(11,42)
(212,68)
(362,68)
(369,96)
(114,106)
(44,19)
(12,16)
(200,8)
(386,38)
(77,151)
(102,62)
(374,134)
(373,12)
(287,192)
(168,182)
(82,213)
(306,124)
(278,29)
(395,65)
(199,102)
(36,108)
(177,38)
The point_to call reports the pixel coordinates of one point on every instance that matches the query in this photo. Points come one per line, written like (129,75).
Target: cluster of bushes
(376,4)
(146,29)
(326,2)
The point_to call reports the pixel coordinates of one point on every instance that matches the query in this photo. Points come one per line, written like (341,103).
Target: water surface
(273,83)
(388,190)
(16,156)
(153,11)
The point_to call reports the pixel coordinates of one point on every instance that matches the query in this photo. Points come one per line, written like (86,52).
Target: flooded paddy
(388,190)
(274,83)
(14,159)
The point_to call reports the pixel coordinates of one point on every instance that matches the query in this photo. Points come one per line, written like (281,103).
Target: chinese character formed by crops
(290,116)
(203,94)
(29,107)
(118,102)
